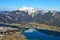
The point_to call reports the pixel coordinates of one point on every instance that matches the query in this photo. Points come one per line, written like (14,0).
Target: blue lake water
(32,34)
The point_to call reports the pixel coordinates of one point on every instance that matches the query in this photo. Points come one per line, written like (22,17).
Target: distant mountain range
(24,15)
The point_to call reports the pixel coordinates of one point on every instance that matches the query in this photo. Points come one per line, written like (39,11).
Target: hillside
(35,25)
(31,15)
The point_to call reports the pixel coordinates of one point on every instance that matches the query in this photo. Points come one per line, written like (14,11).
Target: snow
(26,8)
(30,30)
(1,28)
(30,10)
(2,35)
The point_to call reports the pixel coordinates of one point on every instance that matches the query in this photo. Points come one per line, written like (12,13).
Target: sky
(42,4)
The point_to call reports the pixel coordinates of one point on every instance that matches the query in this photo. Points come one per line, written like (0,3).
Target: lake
(33,34)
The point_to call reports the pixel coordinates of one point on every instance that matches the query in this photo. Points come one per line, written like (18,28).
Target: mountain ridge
(23,16)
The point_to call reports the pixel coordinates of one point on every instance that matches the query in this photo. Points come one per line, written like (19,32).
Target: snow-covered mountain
(29,14)
(31,11)
(34,11)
